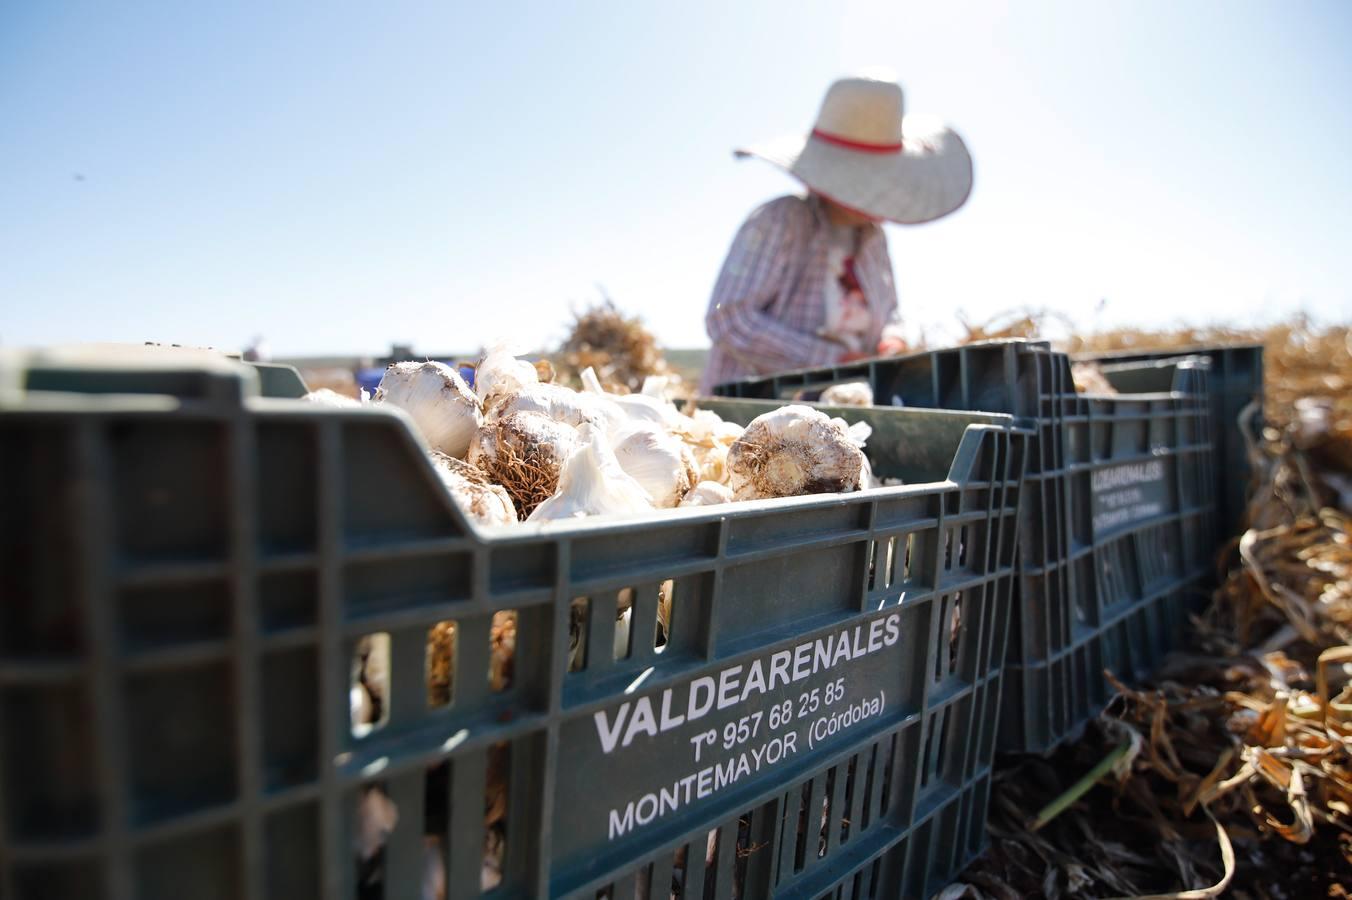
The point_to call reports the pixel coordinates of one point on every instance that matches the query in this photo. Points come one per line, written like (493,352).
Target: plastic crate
(1071,589)
(1236,382)
(187,570)
(1140,536)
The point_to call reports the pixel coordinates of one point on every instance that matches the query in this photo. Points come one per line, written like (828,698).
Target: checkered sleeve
(763,255)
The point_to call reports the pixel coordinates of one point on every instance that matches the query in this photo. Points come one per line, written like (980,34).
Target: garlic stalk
(593,484)
(524,452)
(791,451)
(441,404)
(659,462)
(483,501)
(707,493)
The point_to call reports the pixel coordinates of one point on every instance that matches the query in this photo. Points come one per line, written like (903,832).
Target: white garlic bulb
(524,452)
(559,403)
(708,493)
(484,502)
(500,372)
(442,406)
(593,484)
(328,397)
(636,407)
(659,462)
(859,434)
(791,451)
(851,393)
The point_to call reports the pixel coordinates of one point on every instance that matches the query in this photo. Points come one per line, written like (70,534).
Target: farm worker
(808,281)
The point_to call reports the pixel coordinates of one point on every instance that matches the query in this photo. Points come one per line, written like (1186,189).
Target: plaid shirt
(769,303)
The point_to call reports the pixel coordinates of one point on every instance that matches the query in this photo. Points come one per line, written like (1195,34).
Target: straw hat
(863,153)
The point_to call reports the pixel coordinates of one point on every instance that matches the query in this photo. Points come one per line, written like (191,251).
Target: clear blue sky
(340,176)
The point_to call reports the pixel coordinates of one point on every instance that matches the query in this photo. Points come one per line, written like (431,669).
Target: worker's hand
(892,346)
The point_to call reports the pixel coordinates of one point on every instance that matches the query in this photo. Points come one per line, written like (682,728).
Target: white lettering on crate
(1128,493)
(772,716)
(706,693)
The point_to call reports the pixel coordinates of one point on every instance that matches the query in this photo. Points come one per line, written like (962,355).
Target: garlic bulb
(791,451)
(559,403)
(327,397)
(500,372)
(593,484)
(441,404)
(852,393)
(659,462)
(708,493)
(636,407)
(524,452)
(859,434)
(484,502)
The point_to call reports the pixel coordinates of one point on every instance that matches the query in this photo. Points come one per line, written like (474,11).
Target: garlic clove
(478,498)
(593,484)
(791,451)
(658,461)
(441,404)
(708,493)
(524,452)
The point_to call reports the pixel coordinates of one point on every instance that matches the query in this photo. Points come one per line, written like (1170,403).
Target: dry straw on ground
(1231,773)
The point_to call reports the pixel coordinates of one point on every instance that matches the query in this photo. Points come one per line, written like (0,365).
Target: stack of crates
(189,571)
(1118,526)
(1236,390)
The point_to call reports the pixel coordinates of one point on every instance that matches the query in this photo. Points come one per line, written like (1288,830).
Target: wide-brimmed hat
(866,154)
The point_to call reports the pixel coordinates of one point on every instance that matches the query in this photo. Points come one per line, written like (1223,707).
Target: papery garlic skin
(500,372)
(791,451)
(478,498)
(524,452)
(852,393)
(708,493)
(328,397)
(593,484)
(636,407)
(443,407)
(562,404)
(658,461)
(709,438)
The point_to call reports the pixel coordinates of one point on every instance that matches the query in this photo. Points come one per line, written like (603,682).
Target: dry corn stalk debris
(1235,776)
